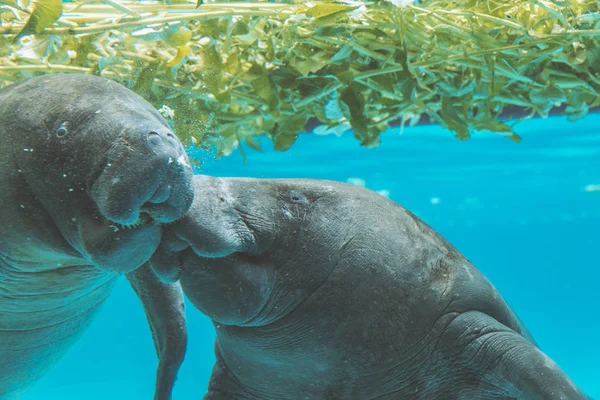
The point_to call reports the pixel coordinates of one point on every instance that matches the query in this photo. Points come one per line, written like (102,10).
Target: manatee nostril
(173,141)
(163,139)
(155,139)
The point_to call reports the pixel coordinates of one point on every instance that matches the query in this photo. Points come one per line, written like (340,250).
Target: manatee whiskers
(144,218)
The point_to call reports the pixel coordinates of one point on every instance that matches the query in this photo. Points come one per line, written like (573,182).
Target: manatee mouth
(144,219)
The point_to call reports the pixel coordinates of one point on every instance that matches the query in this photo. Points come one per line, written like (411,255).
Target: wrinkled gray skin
(88,171)
(323,290)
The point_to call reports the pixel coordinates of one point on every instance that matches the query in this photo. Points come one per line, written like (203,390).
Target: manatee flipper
(485,347)
(164,308)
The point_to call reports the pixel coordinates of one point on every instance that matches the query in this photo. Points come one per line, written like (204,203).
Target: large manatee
(88,172)
(321,290)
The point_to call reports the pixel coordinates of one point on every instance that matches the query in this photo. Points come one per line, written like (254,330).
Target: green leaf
(325,10)
(311,64)
(252,143)
(43,15)
(11,3)
(355,104)
(211,68)
(577,54)
(261,84)
(232,65)
(146,78)
(178,35)
(594,57)
(287,131)
(238,28)
(545,99)
(453,119)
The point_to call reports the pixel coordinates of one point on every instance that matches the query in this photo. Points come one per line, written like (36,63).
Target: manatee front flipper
(513,366)
(164,307)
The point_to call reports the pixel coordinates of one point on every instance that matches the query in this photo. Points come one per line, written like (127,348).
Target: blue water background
(520,212)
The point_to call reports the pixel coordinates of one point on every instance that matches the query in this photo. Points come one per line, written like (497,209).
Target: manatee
(324,290)
(89,171)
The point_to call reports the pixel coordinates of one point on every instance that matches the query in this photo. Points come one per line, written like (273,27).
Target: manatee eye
(297,197)
(63,129)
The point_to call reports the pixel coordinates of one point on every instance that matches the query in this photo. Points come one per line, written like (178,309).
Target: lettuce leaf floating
(43,14)
(326,10)
(11,3)
(232,72)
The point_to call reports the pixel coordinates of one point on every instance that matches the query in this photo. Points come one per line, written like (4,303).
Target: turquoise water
(527,214)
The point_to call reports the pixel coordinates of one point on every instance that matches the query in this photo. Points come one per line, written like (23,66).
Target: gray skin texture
(88,171)
(323,290)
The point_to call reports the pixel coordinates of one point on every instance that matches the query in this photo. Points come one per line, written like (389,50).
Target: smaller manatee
(323,290)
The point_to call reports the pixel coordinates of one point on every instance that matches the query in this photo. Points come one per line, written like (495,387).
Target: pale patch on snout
(182,160)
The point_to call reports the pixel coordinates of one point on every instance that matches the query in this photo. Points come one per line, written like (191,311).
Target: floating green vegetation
(225,73)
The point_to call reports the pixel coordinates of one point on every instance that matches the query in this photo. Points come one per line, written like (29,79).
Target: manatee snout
(211,228)
(147,172)
(175,194)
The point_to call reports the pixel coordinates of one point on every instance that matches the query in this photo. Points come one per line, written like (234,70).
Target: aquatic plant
(225,73)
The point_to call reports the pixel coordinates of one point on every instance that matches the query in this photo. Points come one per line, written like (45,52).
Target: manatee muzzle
(144,176)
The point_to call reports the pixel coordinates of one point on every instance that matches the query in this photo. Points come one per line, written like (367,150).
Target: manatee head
(249,251)
(101,161)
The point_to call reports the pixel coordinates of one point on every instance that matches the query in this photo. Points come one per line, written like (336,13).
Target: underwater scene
(525,214)
(281,200)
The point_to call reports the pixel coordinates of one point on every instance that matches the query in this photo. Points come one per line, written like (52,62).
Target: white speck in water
(114,181)
(70,189)
(108,164)
(287,213)
(357,181)
(384,193)
(98,111)
(64,175)
(435,201)
(19,171)
(472,202)
(21,205)
(170,161)
(591,188)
